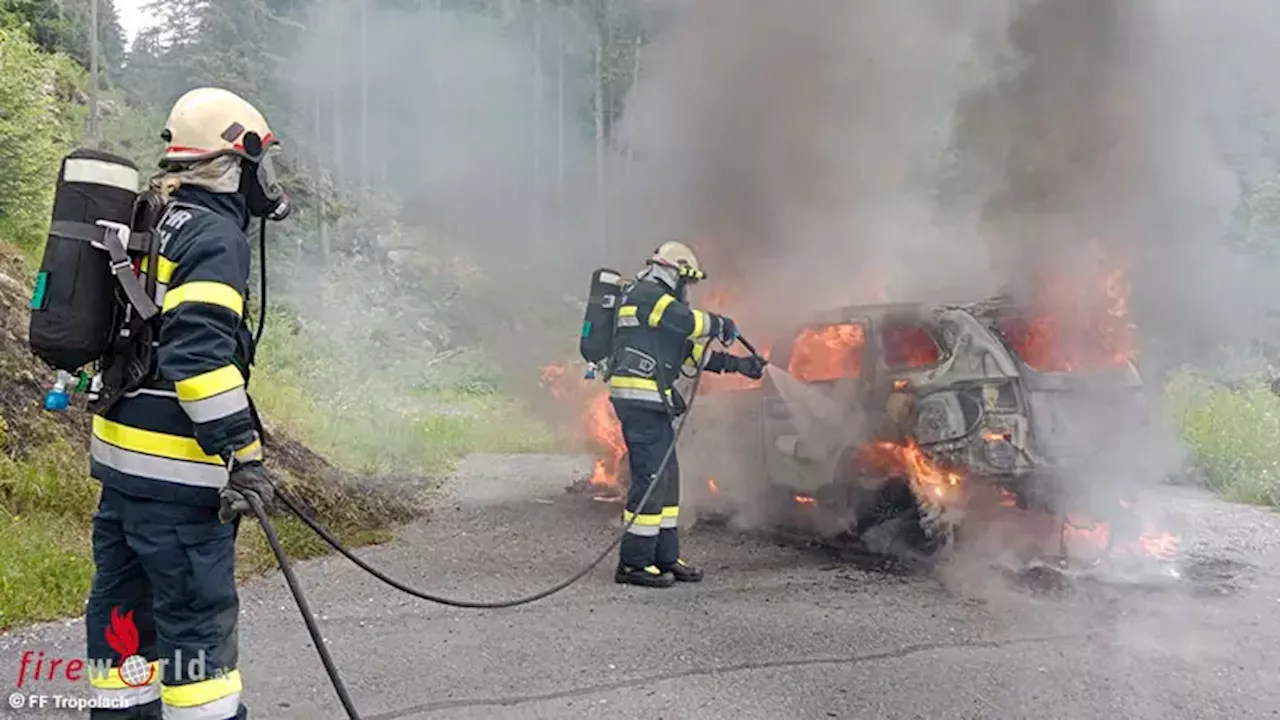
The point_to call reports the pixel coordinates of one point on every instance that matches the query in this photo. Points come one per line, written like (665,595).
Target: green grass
(46,503)
(389,414)
(1234,434)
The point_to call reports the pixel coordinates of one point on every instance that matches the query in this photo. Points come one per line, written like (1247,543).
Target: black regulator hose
(262,281)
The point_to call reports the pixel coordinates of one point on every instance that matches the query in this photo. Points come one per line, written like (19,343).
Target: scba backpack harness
(91,307)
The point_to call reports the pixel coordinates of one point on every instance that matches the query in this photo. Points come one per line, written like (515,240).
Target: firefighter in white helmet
(180,451)
(657,335)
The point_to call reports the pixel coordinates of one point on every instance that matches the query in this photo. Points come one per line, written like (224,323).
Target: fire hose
(308,617)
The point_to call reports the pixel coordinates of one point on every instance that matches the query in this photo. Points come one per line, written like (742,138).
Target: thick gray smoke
(798,144)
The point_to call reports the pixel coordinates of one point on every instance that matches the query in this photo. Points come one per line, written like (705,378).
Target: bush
(1233,433)
(35,132)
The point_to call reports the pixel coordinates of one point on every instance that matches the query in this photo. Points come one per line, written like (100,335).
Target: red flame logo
(122,636)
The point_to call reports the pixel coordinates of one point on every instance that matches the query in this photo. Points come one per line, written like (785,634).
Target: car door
(811,408)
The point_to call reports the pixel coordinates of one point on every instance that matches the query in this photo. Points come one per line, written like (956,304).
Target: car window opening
(827,353)
(909,346)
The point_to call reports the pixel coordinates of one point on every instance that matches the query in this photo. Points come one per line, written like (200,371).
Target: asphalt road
(776,630)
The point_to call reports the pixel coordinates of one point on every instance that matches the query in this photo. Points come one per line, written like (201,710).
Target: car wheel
(896,523)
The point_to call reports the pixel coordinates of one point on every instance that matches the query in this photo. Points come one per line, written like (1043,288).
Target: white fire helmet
(675,254)
(208,122)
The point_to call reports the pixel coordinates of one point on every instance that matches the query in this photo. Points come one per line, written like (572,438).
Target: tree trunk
(364,96)
(93,70)
(535,197)
(601,183)
(635,77)
(560,184)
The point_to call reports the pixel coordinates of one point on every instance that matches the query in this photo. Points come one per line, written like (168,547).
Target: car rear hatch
(1081,419)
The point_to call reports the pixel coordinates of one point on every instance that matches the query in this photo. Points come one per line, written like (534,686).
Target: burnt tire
(897,524)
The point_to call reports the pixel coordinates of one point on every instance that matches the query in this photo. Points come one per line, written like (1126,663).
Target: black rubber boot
(649,576)
(684,572)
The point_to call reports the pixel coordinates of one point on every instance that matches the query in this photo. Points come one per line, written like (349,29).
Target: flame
(805,500)
(122,634)
(931,483)
(1077,325)
(1096,536)
(595,424)
(606,432)
(830,352)
(711,485)
(720,300)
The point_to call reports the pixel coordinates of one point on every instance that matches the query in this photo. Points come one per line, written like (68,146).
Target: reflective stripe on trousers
(217,698)
(111,691)
(644,526)
(670,517)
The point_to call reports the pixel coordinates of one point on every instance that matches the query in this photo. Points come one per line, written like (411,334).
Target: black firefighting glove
(751,366)
(247,479)
(726,330)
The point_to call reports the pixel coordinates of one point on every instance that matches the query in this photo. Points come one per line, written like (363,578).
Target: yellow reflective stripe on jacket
(627,311)
(174,447)
(696,355)
(217,697)
(699,324)
(250,452)
(205,291)
(206,385)
(660,307)
(164,268)
(633,383)
(213,395)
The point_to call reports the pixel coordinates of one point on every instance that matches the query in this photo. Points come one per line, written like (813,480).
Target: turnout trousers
(162,613)
(654,537)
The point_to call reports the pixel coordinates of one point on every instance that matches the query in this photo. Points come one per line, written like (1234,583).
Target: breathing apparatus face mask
(261,187)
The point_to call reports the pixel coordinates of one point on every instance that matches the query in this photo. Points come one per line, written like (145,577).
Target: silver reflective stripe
(218,406)
(219,709)
(127,697)
(157,468)
(635,394)
(629,321)
(152,392)
(669,522)
(161,289)
(643,530)
(101,172)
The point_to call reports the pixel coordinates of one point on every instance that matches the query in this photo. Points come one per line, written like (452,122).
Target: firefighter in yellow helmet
(657,336)
(179,449)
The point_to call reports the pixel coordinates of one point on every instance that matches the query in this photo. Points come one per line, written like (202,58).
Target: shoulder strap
(118,240)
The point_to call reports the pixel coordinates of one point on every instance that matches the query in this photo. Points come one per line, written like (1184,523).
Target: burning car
(899,415)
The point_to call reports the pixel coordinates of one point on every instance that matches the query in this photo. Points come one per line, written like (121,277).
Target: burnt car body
(943,383)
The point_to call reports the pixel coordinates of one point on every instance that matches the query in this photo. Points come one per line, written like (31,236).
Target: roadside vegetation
(1233,434)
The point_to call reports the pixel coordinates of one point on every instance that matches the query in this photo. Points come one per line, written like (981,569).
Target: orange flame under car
(1096,537)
